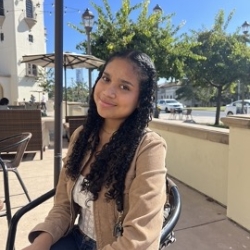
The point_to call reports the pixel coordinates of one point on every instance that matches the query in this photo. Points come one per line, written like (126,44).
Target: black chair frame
(173,208)
(4,168)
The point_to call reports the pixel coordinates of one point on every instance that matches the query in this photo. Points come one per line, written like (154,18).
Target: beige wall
(202,157)
(197,155)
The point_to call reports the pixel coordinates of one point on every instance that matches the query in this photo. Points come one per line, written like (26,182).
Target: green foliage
(46,80)
(197,94)
(223,58)
(151,33)
(77,92)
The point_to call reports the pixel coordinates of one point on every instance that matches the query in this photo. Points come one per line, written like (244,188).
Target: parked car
(236,107)
(168,104)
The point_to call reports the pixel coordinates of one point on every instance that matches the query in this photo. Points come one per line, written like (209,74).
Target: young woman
(114,172)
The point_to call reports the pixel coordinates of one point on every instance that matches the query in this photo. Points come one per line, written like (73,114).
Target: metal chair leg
(22,184)
(6,192)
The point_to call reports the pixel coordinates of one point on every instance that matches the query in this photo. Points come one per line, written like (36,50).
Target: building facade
(22,32)
(167,90)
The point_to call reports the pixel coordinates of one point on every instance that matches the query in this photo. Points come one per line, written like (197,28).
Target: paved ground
(203,224)
(190,119)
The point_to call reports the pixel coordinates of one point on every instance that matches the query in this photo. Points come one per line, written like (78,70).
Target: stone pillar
(238,205)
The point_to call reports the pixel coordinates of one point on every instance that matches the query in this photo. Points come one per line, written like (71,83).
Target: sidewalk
(203,224)
(194,120)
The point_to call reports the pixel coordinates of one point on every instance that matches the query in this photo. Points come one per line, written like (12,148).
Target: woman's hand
(42,242)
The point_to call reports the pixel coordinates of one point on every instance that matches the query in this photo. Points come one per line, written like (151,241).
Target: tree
(223,58)
(46,80)
(77,92)
(150,33)
(198,95)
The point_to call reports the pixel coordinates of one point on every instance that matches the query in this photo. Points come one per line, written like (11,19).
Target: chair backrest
(75,123)
(189,111)
(18,121)
(172,211)
(68,117)
(16,143)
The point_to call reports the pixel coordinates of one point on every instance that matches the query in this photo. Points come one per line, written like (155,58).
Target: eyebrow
(123,81)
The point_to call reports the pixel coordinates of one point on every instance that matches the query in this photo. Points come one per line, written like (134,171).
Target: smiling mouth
(106,104)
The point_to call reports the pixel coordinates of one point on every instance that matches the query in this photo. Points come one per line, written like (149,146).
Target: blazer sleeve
(59,220)
(147,195)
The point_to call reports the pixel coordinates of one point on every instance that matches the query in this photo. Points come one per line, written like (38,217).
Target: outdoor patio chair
(172,211)
(172,114)
(13,144)
(188,114)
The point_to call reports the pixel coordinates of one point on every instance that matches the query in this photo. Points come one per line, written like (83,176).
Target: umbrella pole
(66,94)
(90,82)
(58,89)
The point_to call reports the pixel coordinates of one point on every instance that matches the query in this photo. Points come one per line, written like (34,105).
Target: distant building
(79,75)
(168,90)
(22,33)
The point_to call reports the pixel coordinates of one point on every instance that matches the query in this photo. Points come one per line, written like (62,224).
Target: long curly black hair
(113,161)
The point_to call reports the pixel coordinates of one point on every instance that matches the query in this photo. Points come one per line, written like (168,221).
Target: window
(31,39)
(31,69)
(1,36)
(29,9)
(1,8)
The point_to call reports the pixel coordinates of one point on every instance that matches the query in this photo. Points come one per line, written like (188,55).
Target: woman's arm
(42,242)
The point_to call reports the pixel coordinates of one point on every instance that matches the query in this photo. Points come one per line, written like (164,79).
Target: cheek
(96,91)
(133,102)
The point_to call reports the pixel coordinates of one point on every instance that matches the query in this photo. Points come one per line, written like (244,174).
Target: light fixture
(88,20)
(245,27)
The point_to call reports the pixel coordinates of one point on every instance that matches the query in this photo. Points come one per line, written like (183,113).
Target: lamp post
(245,28)
(157,10)
(88,21)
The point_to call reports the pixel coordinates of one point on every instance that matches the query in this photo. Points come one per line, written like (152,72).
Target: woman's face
(116,94)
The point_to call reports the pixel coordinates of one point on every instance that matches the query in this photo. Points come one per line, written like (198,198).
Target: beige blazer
(144,198)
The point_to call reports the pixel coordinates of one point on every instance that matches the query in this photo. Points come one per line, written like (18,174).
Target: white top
(43,98)
(86,219)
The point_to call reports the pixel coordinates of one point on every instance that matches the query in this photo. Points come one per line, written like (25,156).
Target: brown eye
(124,87)
(104,78)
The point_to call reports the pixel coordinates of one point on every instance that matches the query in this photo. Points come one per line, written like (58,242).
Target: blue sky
(196,13)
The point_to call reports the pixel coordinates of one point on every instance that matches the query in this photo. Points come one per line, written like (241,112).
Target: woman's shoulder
(149,134)
(152,138)
(76,134)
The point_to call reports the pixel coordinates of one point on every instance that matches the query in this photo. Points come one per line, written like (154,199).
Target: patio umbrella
(70,61)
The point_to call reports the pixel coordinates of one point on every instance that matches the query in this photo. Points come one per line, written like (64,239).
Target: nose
(110,91)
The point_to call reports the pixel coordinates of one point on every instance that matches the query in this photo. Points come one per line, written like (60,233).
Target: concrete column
(238,205)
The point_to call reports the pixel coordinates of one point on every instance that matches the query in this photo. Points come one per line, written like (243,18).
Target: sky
(196,14)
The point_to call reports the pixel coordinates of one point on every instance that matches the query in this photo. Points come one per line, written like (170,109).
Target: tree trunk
(218,103)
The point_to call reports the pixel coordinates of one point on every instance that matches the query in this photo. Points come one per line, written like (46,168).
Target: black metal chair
(172,213)
(17,144)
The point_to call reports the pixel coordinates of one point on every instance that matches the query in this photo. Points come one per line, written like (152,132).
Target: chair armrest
(174,213)
(17,216)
